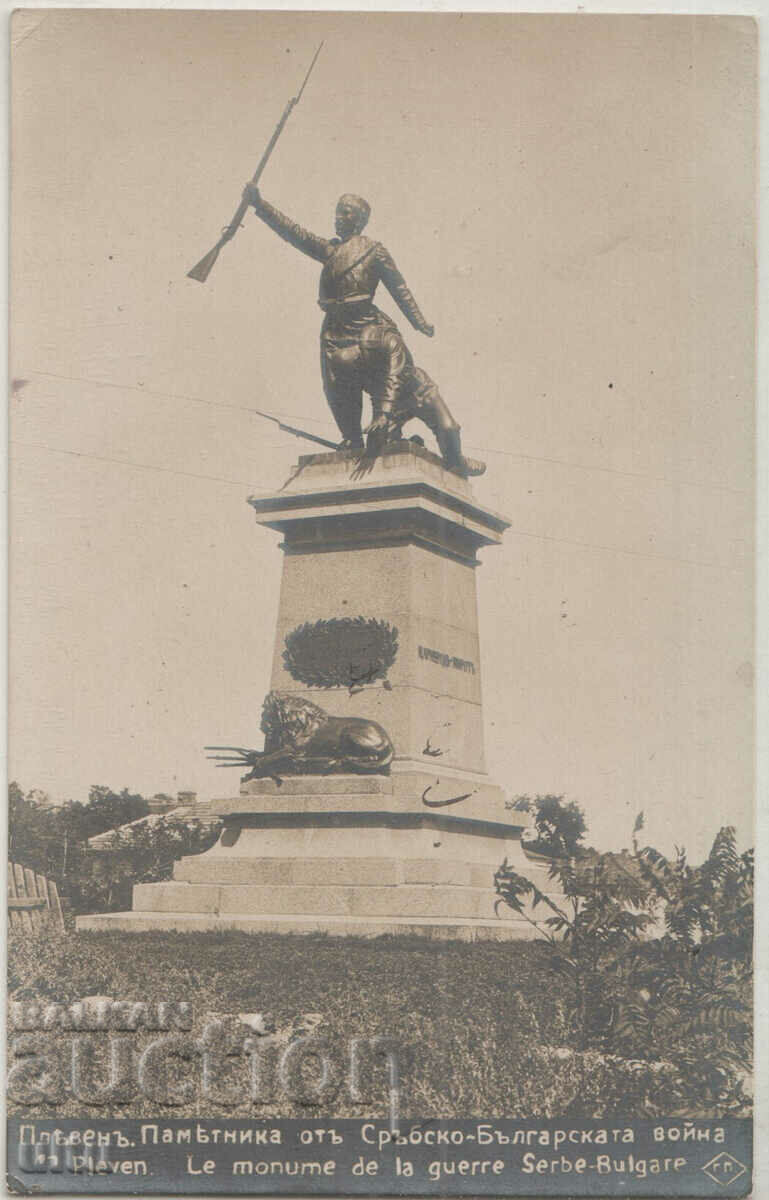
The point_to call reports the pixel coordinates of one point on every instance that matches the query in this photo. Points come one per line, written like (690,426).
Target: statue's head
(352,214)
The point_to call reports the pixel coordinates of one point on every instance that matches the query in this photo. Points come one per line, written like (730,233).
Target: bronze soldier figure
(361,348)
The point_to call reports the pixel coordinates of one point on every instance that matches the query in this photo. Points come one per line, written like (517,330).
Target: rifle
(302,433)
(203,269)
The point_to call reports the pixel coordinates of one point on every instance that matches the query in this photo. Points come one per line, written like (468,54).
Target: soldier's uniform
(361,349)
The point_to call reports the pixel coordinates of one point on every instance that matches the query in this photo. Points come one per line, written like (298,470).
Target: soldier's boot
(349,427)
(450,445)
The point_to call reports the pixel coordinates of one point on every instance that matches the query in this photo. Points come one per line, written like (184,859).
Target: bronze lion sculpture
(301,738)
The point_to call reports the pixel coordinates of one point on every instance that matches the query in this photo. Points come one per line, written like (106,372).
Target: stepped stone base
(344,856)
(436,928)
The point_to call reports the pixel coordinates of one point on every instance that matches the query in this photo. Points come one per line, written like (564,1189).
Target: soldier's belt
(353,304)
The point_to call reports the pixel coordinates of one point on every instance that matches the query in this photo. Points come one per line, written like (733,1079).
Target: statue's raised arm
(309,243)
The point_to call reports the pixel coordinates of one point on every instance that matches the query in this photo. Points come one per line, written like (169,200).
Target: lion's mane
(287,720)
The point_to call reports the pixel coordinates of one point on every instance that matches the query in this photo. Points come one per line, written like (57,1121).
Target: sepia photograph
(381,591)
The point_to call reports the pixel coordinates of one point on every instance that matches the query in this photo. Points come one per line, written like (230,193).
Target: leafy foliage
(655,958)
(54,841)
(560,825)
(145,854)
(46,838)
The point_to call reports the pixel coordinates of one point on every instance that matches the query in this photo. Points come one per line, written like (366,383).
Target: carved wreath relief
(341,652)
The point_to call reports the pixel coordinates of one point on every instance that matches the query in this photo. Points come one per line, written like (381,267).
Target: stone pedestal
(413,850)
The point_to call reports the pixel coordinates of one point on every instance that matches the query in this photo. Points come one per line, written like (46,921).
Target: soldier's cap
(356,202)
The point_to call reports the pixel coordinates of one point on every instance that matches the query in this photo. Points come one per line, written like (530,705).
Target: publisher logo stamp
(724,1168)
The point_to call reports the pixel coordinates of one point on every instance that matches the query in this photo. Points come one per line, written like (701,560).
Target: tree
(36,832)
(54,841)
(560,826)
(109,810)
(145,853)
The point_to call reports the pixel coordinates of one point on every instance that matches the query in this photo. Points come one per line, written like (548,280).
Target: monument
(383,819)
(369,809)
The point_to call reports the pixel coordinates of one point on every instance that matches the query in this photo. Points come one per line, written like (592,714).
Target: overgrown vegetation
(54,842)
(654,955)
(634,996)
(482,1028)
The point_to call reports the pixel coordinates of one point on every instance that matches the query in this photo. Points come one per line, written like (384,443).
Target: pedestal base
(345,855)
(436,928)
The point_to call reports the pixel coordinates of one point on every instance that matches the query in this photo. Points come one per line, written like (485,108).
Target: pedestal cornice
(331,502)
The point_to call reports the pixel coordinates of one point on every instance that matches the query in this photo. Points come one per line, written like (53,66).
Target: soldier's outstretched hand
(428,330)
(251,193)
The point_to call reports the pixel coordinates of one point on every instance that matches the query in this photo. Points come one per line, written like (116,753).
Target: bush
(655,957)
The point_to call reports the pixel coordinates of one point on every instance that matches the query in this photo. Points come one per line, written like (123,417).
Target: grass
(482,1029)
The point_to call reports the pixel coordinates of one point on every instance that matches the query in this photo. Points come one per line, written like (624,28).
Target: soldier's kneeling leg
(431,408)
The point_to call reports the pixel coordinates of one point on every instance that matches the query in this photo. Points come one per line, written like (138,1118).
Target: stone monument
(369,809)
(378,627)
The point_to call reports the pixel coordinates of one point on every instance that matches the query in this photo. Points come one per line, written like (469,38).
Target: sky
(570,198)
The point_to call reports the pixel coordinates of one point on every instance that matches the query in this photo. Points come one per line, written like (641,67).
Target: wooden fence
(33,900)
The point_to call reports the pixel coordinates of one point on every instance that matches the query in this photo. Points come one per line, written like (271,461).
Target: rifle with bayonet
(203,269)
(302,433)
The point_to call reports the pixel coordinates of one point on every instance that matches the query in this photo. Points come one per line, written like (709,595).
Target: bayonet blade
(309,73)
(302,433)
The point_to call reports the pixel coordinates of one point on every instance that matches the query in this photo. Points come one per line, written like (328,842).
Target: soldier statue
(361,349)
